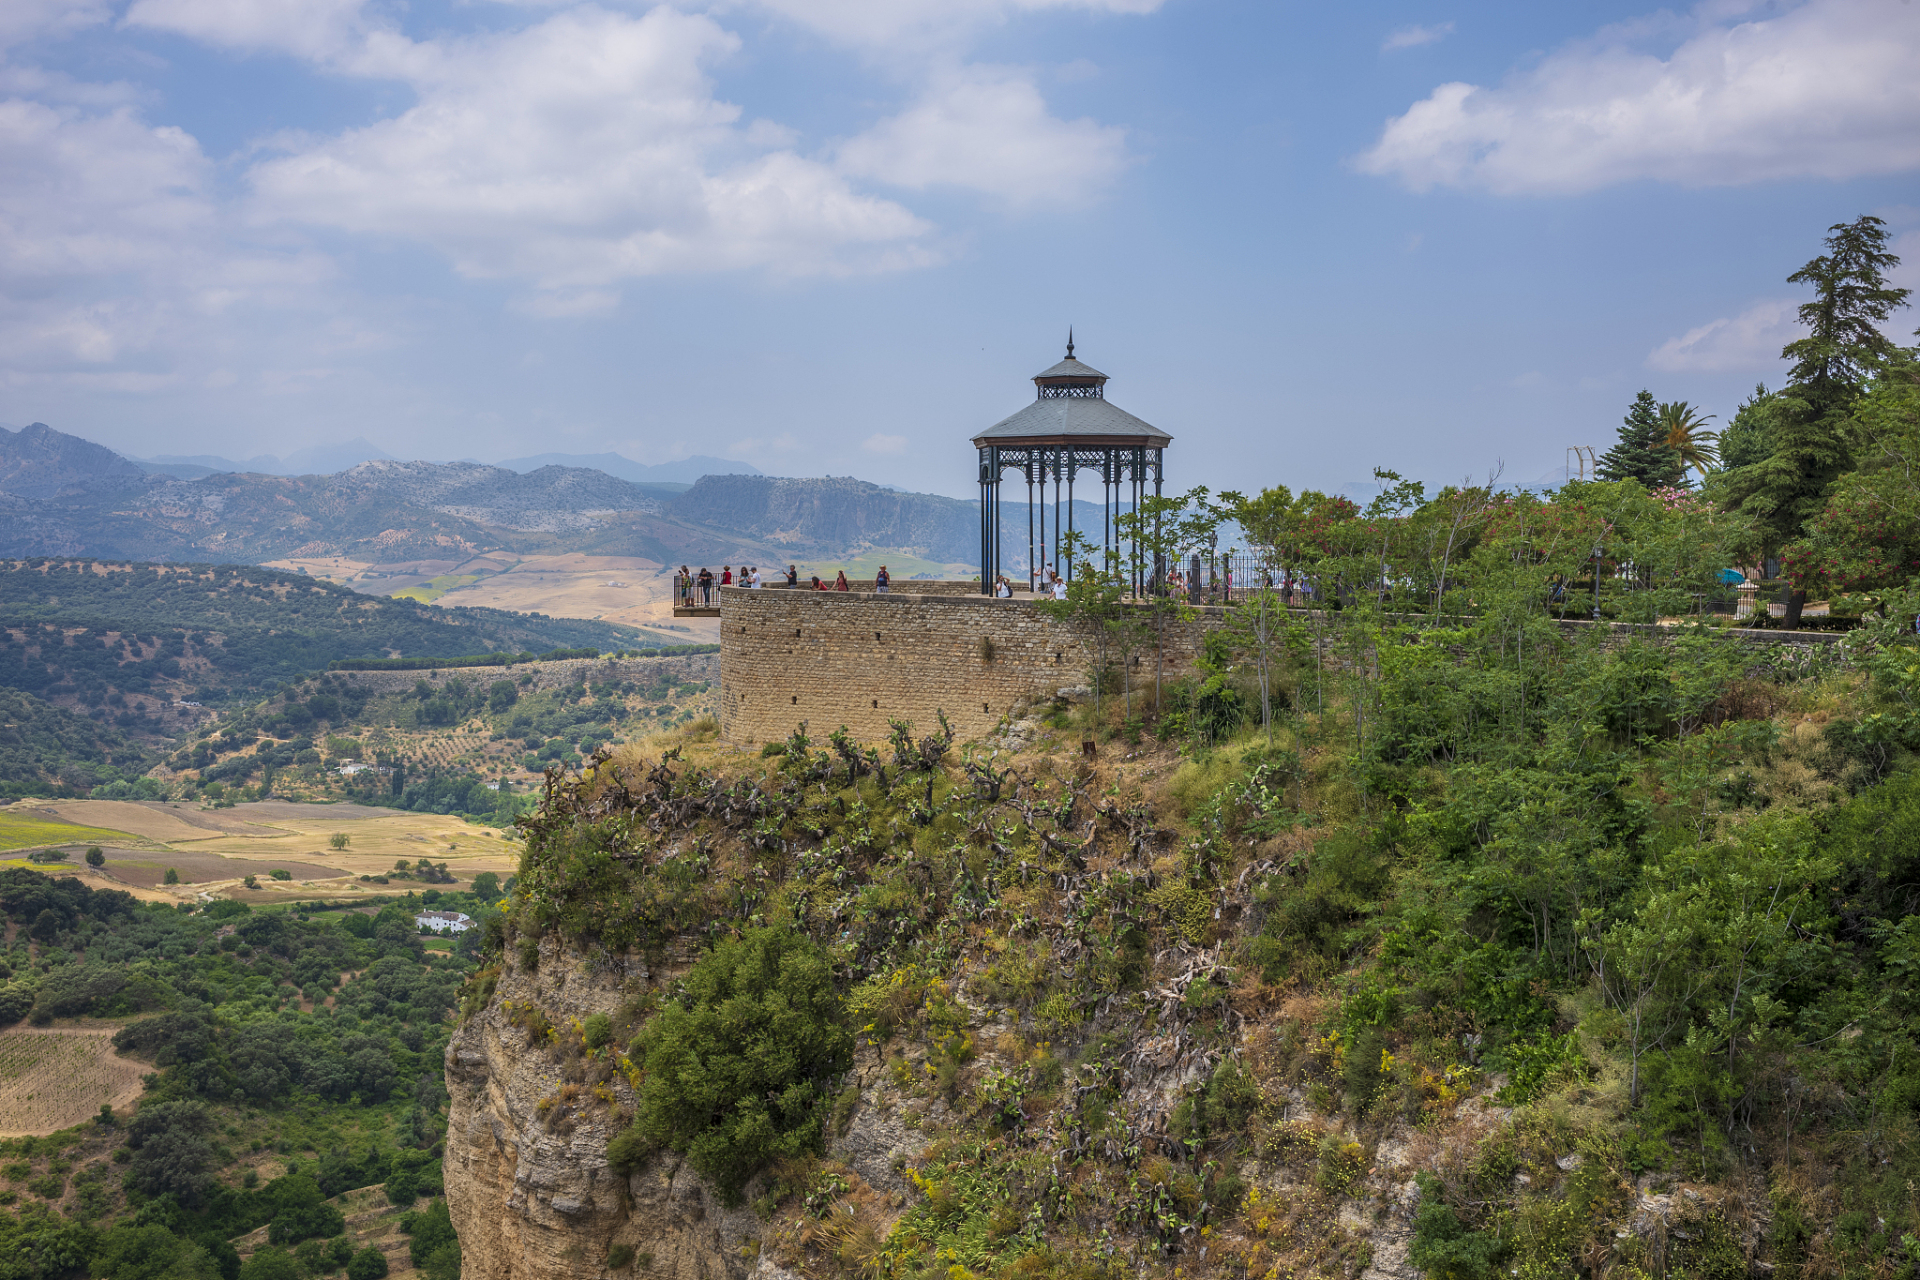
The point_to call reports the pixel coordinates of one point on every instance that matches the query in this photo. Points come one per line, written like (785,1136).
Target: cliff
(528,1181)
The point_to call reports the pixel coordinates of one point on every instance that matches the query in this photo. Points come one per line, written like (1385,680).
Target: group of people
(699,586)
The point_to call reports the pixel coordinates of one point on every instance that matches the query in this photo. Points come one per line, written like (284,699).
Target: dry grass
(55,1079)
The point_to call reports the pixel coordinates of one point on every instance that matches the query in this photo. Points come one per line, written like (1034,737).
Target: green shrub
(619,1257)
(597,1030)
(1444,1247)
(433,1247)
(736,1069)
(368,1264)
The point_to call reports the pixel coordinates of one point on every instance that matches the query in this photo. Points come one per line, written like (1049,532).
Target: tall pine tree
(1642,453)
(1809,425)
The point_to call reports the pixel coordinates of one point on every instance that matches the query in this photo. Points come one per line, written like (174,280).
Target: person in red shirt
(726,575)
(840,582)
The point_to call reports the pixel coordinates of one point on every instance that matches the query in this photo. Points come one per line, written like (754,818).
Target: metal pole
(1030,453)
(1073,465)
(986,511)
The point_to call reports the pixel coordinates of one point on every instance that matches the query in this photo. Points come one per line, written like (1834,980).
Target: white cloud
(882,443)
(1751,341)
(1826,89)
(900,25)
(1748,341)
(578,152)
(115,252)
(1411,37)
(988,129)
(24,20)
(314,29)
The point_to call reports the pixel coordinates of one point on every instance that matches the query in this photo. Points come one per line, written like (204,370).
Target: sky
(836,237)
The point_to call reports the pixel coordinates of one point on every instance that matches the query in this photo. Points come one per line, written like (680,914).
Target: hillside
(126,642)
(1542,991)
(44,747)
(37,462)
(291,1065)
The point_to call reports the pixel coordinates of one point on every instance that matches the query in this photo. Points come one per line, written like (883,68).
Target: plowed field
(54,1079)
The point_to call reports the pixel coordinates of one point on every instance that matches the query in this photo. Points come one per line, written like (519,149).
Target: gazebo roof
(1083,420)
(1074,368)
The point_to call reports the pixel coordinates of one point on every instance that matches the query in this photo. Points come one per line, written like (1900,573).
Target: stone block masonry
(860,659)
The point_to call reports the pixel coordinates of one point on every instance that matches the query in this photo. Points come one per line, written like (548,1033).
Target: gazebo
(1070,426)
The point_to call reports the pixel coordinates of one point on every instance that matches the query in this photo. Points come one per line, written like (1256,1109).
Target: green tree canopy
(1642,453)
(1844,346)
(737,1069)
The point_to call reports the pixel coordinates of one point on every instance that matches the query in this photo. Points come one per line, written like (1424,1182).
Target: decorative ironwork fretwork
(1095,392)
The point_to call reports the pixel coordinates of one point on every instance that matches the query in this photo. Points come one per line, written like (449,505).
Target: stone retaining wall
(860,659)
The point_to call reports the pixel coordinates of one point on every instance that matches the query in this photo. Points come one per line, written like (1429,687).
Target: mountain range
(61,495)
(330,459)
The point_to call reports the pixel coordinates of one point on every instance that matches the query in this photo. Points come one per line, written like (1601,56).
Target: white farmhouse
(444,921)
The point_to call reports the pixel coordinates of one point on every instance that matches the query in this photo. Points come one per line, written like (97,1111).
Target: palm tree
(1686,435)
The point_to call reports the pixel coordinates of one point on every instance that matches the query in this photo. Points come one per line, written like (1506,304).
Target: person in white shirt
(1003,589)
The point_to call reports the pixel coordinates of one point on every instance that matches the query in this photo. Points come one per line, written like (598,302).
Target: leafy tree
(368,1264)
(1642,452)
(151,1252)
(1093,605)
(95,857)
(433,1246)
(1844,346)
(339,840)
(271,1263)
(737,1069)
(1745,441)
(172,876)
(486,886)
(1809,426)
(171,1153)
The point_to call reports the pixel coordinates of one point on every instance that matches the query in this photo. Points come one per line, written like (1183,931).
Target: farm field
(51,1079)
(216,849)
(33,830)
(149,821)
(625,589)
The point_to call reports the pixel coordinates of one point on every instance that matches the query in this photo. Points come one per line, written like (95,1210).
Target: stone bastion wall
(860,658)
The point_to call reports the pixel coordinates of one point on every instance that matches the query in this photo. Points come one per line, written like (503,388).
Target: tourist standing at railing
(882,580)
(706,587)
(840,581)
(685,587)
(793,576)
(726,575)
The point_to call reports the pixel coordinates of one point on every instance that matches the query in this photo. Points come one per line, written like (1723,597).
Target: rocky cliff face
(529,1187)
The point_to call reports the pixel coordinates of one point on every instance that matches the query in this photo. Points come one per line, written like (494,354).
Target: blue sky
(836,236)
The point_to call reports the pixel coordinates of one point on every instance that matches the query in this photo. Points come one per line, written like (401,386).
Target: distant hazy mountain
(64,496)
(318,460)
(685,471)
(39,462)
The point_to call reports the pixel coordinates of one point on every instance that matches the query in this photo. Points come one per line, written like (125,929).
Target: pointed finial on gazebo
(1069,342)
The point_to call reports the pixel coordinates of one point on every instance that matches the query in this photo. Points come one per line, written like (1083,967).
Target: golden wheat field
(54,1079)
